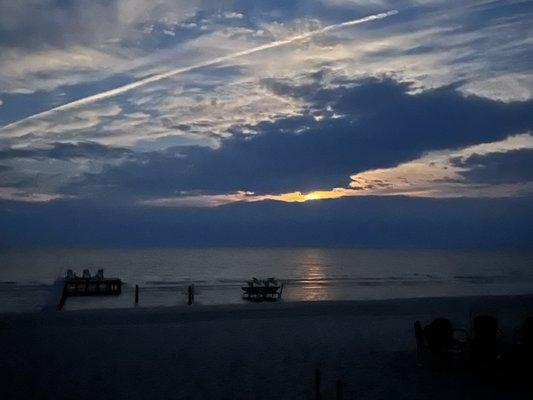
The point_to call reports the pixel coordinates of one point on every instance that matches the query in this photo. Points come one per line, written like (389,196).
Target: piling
(62,300)
(420,342)
(190,294)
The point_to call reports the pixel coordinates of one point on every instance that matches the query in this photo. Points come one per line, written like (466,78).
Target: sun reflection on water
(312,264)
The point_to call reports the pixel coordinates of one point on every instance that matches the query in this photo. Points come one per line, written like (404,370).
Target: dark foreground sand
(256,351)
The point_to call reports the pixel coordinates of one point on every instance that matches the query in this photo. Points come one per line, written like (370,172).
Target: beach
(250,351)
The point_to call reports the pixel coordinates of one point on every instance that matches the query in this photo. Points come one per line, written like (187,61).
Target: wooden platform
(92,287)
(88,285)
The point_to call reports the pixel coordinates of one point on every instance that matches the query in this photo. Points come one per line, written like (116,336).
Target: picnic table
(262,290)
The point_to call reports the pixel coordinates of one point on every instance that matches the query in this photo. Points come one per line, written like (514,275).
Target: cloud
(376,131)
(481,170)
(426,46)
(155,78)
(235,152)
(27,72)
(169,32)
(49,44)
(66,151)
(24,22)
(497,169)
(14,194)
(37,174)
(232,15)
(382,126)
(186,199)
(506,87)
(71,127)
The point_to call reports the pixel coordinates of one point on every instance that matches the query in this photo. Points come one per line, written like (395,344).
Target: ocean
(28,277)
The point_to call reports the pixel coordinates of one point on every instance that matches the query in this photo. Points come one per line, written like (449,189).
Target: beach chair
(522,350)
(486,345)
(440,337)
(86,274)
(262,290)
(420,343)
(100,274)
(419,334)
(271,281)
(527,337)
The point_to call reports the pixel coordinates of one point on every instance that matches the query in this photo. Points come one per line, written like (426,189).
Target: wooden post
(420,342)
(136,294)
(190,294)
(339,389)
(63,299)
(317,384)
(470,322)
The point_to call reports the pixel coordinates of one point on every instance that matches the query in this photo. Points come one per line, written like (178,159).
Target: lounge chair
(527,337)
(523,344)
(486,344)
(440,337)
(271,281)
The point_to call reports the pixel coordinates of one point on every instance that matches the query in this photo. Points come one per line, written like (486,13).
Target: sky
(373,123)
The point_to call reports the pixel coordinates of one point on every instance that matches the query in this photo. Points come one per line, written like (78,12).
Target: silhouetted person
(527,339)
(487,346)
(439,337)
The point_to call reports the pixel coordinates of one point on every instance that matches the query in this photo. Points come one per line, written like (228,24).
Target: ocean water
(29,277)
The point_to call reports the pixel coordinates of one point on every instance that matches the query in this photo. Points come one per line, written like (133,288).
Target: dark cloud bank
(511,167)
(365,222)
(382,126)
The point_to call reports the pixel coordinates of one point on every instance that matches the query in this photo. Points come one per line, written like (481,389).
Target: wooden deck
(89,286)
(92,287)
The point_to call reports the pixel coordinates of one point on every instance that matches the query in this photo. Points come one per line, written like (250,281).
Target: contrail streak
(155,78)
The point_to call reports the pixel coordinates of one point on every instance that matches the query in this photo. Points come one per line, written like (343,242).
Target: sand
(253,351)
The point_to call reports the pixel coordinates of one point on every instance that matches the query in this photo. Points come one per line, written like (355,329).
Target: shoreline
(393,306)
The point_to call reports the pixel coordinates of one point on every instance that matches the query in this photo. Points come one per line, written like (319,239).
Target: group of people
(484,346)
